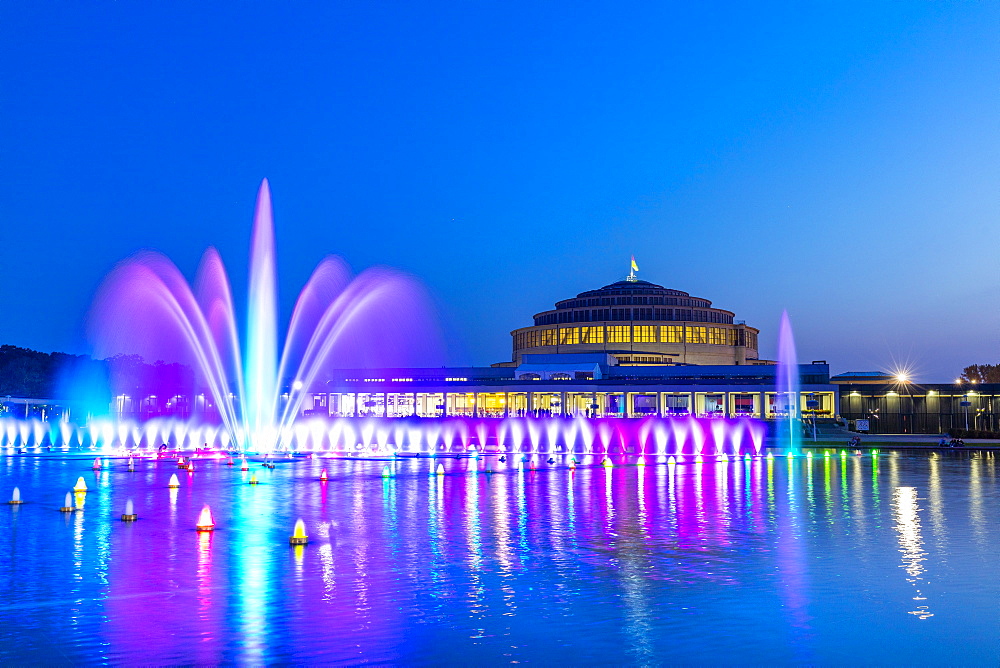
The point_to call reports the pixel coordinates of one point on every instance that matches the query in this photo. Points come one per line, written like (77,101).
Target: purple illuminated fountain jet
(377,319)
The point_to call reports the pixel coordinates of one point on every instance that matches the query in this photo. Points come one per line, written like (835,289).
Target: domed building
(639,323)
(629,349)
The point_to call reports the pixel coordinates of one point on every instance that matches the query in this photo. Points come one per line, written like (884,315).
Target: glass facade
(926,409)
(595,334)
(547,402)
(619,334)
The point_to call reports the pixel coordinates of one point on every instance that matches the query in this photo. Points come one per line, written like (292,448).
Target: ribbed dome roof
(633,288)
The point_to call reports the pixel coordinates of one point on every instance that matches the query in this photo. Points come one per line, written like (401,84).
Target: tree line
(37,375)
(981,373)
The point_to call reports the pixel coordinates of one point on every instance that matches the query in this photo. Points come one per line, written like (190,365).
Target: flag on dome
(635,267)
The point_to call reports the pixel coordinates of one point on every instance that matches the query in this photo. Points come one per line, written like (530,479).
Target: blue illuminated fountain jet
(787,388)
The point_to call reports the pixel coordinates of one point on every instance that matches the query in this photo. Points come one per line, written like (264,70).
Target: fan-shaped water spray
(146,307)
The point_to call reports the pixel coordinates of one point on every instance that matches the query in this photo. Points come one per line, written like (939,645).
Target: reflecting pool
(888,558)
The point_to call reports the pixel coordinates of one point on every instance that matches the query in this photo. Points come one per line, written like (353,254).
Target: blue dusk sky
(835,159)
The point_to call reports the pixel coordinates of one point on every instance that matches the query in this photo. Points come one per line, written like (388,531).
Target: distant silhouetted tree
(36,375)
(32,374)
(981,373)
(130,375)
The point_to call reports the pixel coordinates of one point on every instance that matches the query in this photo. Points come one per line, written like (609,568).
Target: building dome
(640,323)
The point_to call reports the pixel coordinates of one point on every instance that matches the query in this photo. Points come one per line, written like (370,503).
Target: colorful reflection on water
(823,559)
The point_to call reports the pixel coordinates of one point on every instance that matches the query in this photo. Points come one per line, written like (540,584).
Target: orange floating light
(322,476)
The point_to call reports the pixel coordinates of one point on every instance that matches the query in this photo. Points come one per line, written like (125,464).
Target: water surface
(884,559)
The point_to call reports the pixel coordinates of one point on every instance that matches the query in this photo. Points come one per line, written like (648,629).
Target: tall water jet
(786,397)
(261,370)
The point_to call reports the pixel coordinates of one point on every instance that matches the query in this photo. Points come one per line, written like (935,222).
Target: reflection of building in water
(906,513)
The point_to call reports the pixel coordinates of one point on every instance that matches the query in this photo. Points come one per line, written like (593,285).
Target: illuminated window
(619,334)
(592,334)
(731,337)
(671,333)
(717,336)
(696,335)
(550,337)
(569,335)
(644,334)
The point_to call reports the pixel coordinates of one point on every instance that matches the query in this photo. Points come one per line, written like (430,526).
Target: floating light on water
(299,536)
(698,459)
(386,473)
(81,485)
(607,463)
(572,462)
(253,479)
(641,462)
(67,504)
(322,476)
(129,515)
(671,461)
(205,521)
(244,466)
(770,456)
(97,464)
(181,463)
(174,482)
(15,498)
(440,469)
(190,466)
(131,464)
